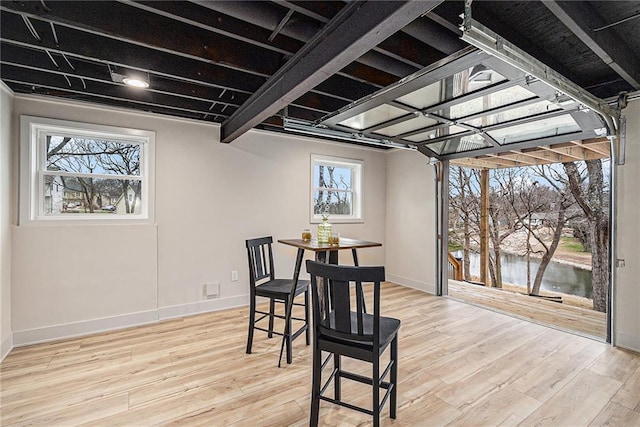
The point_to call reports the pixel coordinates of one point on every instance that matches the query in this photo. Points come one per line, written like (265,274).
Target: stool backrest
(260,258)
(338,311)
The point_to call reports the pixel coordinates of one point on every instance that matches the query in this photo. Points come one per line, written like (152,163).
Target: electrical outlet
(620,263)
(234,275)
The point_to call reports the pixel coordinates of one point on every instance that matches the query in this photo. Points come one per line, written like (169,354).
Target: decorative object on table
(306,235)
(324,229)
(263,283)
(343,332)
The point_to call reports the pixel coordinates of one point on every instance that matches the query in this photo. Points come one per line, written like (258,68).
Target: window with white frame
(336,189)
(82,172)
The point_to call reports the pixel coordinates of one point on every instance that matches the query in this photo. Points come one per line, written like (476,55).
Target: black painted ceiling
(207,60)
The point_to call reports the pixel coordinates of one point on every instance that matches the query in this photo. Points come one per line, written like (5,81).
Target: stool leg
(315,387)
(394,377)
(337,379)
(307,307)
(375,377)
(272,310)
(288,333)
(252,319)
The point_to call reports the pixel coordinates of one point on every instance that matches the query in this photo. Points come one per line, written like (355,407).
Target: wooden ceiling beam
(501,160)
(518,157)
(577,150)
(475,163)
(595,148)
(543,155)
(601,145)
(575,154)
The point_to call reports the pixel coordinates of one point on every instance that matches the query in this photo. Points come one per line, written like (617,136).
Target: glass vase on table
(324,229)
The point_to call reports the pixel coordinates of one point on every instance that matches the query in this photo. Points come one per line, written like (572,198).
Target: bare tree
(519,191)
(560,203)
(332,200)
(502,223)
(465,205)
(122,160)
(588,188)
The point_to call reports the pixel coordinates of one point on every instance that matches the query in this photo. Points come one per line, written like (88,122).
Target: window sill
(339,221)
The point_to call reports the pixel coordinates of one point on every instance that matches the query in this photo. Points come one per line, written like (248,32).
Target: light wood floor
(459,365)
(570,318)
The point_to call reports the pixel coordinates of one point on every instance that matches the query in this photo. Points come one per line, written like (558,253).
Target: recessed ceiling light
(134,82)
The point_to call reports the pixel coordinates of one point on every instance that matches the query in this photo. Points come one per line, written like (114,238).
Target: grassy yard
(571,244)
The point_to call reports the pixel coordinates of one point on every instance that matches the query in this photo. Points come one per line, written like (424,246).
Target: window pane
(374,116)
(513,114)
(436,133)
(83,155)
(452,87)
(338,177)
(65,195)
(333,202)
(486,102)
(465,143)
(551,126)
(410,125)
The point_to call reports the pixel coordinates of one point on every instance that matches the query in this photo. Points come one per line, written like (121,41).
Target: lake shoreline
(562,278)
(558,260)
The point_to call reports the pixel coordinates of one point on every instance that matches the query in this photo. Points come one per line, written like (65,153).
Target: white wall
(410,228)
(6,202)
(626,312)
(210,197)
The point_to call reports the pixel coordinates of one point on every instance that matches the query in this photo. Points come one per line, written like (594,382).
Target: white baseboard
(6,346)
(86,327)
(412,283)
(92,326)
(202,307)
(627,341)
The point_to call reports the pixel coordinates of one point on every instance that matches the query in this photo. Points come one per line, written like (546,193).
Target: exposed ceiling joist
(475,163)
(518,157)
(582,19)
(503,161)
(566,151)
(342,40)
(184,41)
(600,147)
(215,21)
(265,15)
(541,156)
(589,149)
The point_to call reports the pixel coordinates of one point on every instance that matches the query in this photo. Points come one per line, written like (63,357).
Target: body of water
(557,277)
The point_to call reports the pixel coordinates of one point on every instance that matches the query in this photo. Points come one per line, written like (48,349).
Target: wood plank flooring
(566,317)
(460,365)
